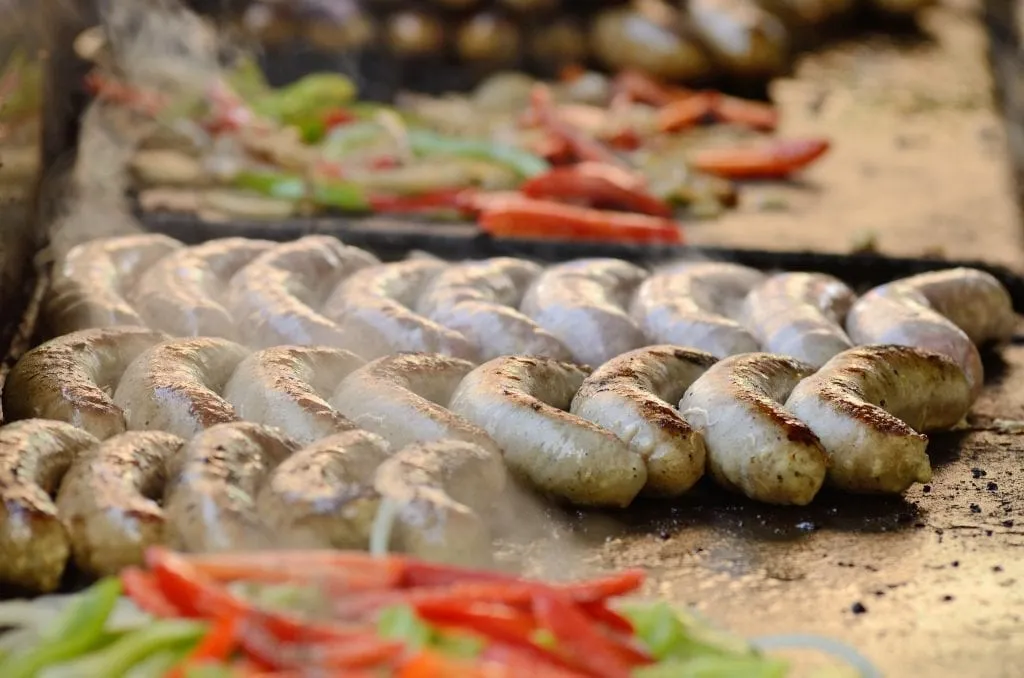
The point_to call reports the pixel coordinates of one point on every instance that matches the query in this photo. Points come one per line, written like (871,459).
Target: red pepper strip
(199,596)
(338,117)
(142,588)
(543,219)
(434,665)
(686,113)
(599,185)
(266,640)
(625,139)
(355,571)
(217,645)
(494,621)
(419,573)
(642,88)
(516,593)
(773,160)
(578,638)
(450,198)
(753,114)
(600,611)
(583,146)
(554,149)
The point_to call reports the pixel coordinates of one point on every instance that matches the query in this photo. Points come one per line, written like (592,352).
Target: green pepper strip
(343,195)
(525,164)
(78,630)
(120,656)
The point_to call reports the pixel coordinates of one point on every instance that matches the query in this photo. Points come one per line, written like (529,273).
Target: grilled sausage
(754,445)
(109,502)
(374,308)
(744,40)
(210,503)
(69,378)
(631,395)
(487,38)
(478,299)
(275,297)
(948,312)
(867,406)
(696,305)
(557,44)
(34,456)
(521,402)
(439,493)
(581,303)
(288,387)
(403,399)
(623,38)
(175,386)
(800,315)
(414,34)
(182,293)
(323,496)
(89,285)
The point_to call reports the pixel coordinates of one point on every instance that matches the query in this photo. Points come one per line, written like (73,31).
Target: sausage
(175,386)
(288,387)
(900,8)
(70,378)
(323,496)
(487,38)
(276,296)
(521,402)
(556,44)
(109,502)
(182,293)
(210,502)
(90,283)
(754,445)
(34,456)
(631,395)
(867,406)
(413,34)
(623,38)
(581,303)
(478,299)
(948,312)
(403,399)
(439,493)
(696,305)
(800,315)
(744,39)
(374,308)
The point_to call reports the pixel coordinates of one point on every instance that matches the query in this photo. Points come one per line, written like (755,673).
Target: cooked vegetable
(286,613)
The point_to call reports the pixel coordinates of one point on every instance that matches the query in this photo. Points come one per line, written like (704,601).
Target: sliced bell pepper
(579,639)
(305,102)
(775,159)
(445,199)
(599,185)
(524,163)
(217,645)
(77,631)
(544,219)
(142,588)
(584,147)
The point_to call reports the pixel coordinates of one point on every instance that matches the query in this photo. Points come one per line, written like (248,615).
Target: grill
(862,568)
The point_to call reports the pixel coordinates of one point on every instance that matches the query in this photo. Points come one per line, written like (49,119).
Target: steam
(153,45)
(158,45)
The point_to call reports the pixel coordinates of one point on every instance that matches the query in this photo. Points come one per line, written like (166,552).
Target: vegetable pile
(351,614)
(585,158)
